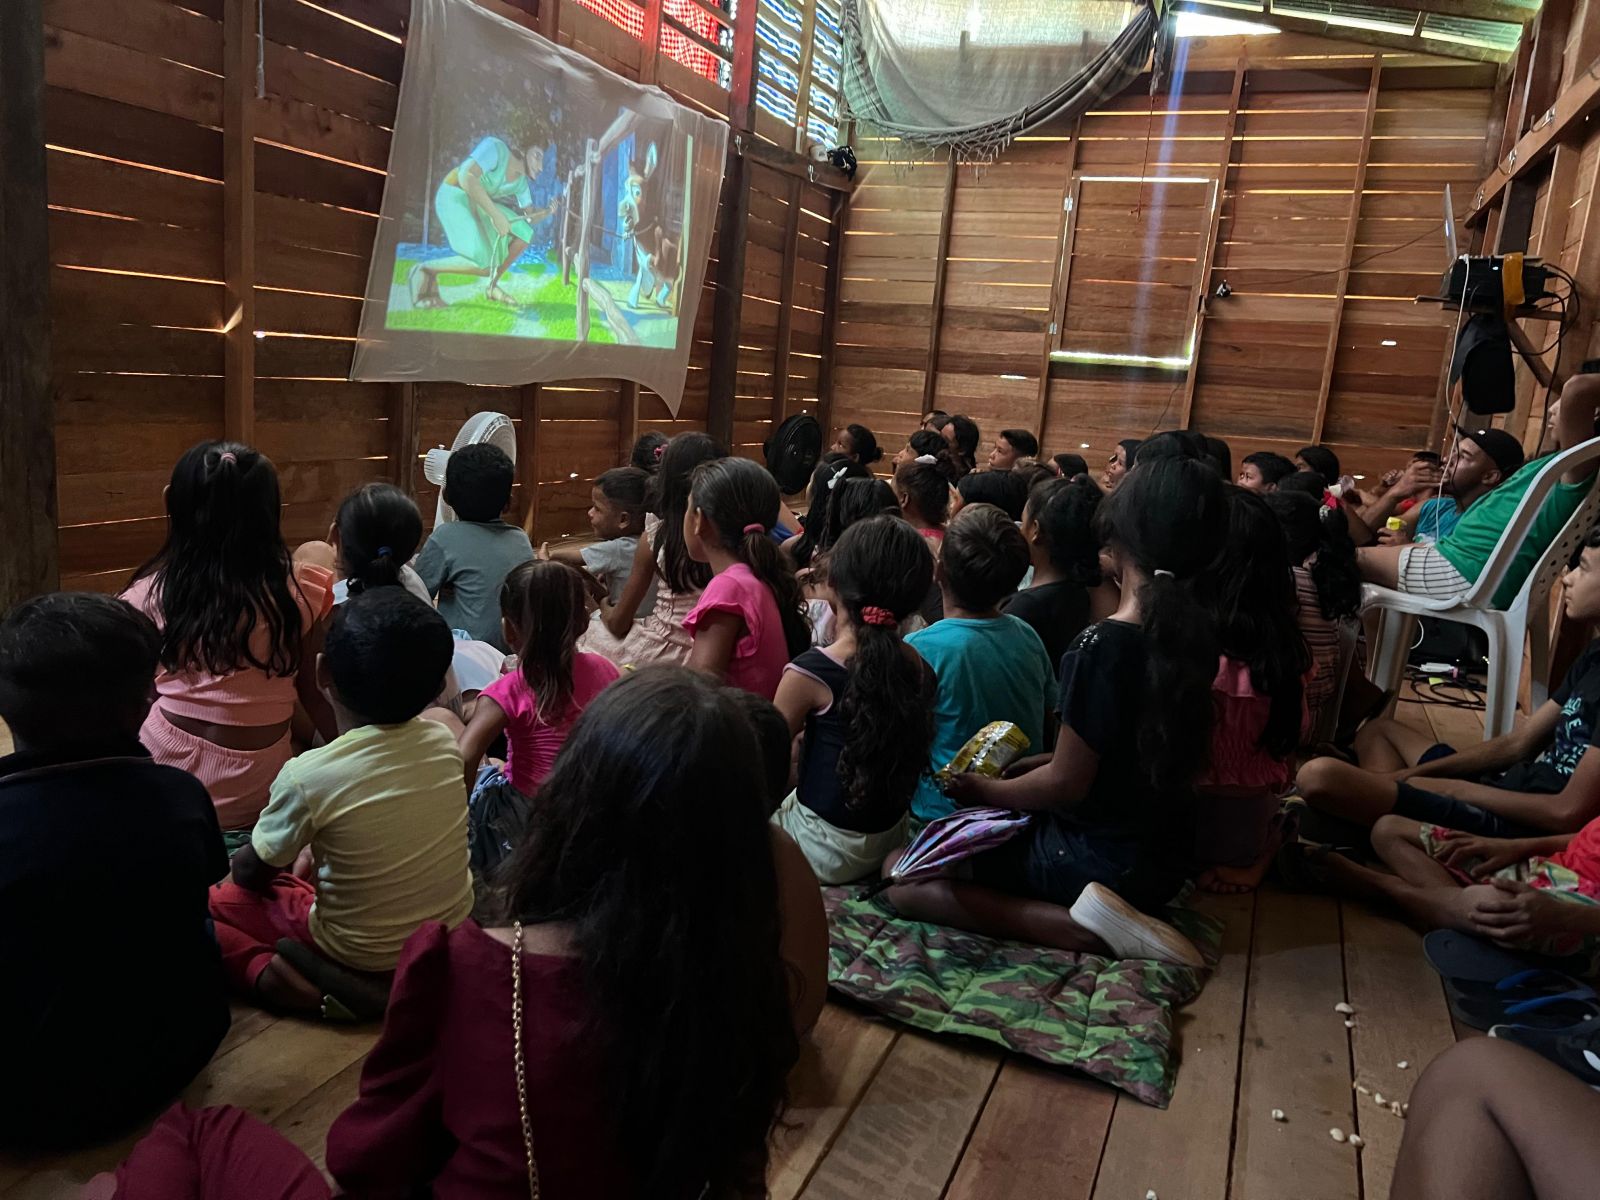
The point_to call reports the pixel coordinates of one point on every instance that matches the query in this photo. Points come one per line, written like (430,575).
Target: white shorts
(1423,571)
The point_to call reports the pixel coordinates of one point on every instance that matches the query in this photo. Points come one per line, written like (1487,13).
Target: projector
(1478,284)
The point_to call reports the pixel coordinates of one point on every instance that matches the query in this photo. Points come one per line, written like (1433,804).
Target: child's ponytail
(881,571)
(545,601)
(1318,537)
(741,500)
(380,529)
(1168,519)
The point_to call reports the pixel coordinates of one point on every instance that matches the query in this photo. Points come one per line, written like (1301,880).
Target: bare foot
(499,295)
(1234,881)
(282,987)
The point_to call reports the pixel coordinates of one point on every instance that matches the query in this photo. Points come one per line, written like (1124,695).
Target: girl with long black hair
(240,626)
(1112,835)
(659,636)
(865,706)
(751,618)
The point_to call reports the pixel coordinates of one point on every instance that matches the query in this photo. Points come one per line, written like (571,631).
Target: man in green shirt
(1450,567)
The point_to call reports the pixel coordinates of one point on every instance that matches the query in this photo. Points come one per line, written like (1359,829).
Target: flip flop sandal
(1485,985)
(1576,1048)
(1463,957)
(1556,1010)
(347,995)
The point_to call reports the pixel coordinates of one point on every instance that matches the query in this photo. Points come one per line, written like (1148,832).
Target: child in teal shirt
(991,667)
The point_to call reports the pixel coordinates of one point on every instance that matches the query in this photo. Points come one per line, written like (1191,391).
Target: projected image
(537,227)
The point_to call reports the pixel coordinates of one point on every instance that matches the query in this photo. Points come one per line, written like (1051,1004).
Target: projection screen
(543,218)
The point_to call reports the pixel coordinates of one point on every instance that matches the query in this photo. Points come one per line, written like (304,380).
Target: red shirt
(1582,858)
(437,1113)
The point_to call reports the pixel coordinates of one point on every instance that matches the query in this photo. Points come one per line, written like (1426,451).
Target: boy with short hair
(101,1024)
(1012,446)
(616,515)
(382,808)
(991,666)
(1263,471)
(465,561)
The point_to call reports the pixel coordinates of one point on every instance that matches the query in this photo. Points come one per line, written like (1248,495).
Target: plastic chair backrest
(1481,593)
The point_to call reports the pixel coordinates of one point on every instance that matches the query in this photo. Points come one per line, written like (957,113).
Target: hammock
(969,76)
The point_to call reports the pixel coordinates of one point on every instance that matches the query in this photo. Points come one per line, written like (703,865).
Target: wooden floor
(889,1115)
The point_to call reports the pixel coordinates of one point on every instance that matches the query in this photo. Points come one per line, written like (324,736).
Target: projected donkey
(639,212)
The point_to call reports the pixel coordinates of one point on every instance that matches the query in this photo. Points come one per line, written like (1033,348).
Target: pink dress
(656,638)
(761,652)
(1238,798)
(238,780)
(531,742)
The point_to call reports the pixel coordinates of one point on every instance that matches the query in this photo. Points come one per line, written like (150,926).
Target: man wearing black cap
(1482,460)
(1449,567)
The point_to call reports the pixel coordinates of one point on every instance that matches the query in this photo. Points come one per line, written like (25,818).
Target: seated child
(1537,894)
(750,620)
(832,471)
(616,515)
(991,667)
(864,704)
(380,807)
(240,627)
(608,909)
(372,540)
(543,612)
(90,825)
(1113,832)
(1538,778)
(466,560)
(660,558)
(1057,524)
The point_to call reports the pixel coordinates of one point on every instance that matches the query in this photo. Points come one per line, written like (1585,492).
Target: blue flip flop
(1485,986)
(1577,1049)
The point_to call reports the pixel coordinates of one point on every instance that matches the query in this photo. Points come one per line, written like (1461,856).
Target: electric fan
(492,427)
(792,452)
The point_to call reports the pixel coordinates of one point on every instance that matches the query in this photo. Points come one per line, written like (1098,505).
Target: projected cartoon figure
(639,214)
(485,207)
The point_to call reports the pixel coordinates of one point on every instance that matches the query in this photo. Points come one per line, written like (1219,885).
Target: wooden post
(29,563)
(941,272)
(532,405)
(731,238)
(1209,251)
(1320,421)
(585,232)
(1058,297)
(802,96)
(785,334)
(403,437)
(1552,237)
(627,419)
(238,218)
(1550,30)
(830,308)
(549,20)
(650,56)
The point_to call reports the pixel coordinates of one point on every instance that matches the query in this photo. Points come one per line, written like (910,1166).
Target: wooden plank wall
(146,175)
(1331,158)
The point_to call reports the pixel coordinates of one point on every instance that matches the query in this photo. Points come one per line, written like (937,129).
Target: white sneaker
(1129,932)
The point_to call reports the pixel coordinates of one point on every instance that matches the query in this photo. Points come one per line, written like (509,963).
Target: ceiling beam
(1478,10)
(1371,37)
(1577,101)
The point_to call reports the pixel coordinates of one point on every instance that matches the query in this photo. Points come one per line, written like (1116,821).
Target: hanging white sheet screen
(543,217)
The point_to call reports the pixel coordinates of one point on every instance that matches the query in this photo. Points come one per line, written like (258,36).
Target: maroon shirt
(438,1103)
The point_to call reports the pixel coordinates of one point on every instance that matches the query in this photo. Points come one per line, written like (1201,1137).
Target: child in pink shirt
(240,628)
(543,609)
(750,620)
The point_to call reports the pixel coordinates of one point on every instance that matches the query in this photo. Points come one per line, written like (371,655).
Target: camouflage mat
(1110,1019)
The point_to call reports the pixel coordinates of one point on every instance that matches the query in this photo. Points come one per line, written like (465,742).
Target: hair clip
(1159,571)
(227,456)
(660,450)
(837,475)
(927,460)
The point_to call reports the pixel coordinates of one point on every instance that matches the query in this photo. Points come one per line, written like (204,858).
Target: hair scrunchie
(385,552)
(755,527)
(873,615)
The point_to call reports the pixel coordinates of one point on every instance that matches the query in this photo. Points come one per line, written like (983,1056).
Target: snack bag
(988,752)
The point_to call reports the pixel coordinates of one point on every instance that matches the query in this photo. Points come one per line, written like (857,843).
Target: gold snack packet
(988,752)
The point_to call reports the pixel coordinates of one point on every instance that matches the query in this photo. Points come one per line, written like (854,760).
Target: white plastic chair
(1505,628)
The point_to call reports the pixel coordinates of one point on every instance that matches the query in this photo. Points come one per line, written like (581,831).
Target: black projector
(1478,284)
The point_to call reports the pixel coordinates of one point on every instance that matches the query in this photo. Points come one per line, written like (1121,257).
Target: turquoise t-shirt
(1478,531)
(989,670)
(1437,520)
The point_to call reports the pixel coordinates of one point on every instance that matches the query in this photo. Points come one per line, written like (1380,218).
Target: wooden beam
(1515,119)
(1478,10)
(780,158)
(1209,252)
(1370,37)
(402,440)
(741,96)
(785,334)
(549,20)
(650,59)
(1549,49)
(830,307)
(28,555)
(1552,238)
(1058,299)
(627,419)
(532,406)
(941,274)
(1516,216)
(1320,420)
(808,52)
(1572,106)
(729,300)
(239,44)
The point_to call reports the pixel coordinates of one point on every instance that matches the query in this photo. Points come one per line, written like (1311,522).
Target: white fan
(492,427)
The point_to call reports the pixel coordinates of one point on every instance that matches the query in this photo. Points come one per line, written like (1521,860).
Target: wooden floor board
(904,1139)
(1201,1116)
(1296,1058)
(838,1061)
(1401,1016)
(306,1122)
(1041,1134)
